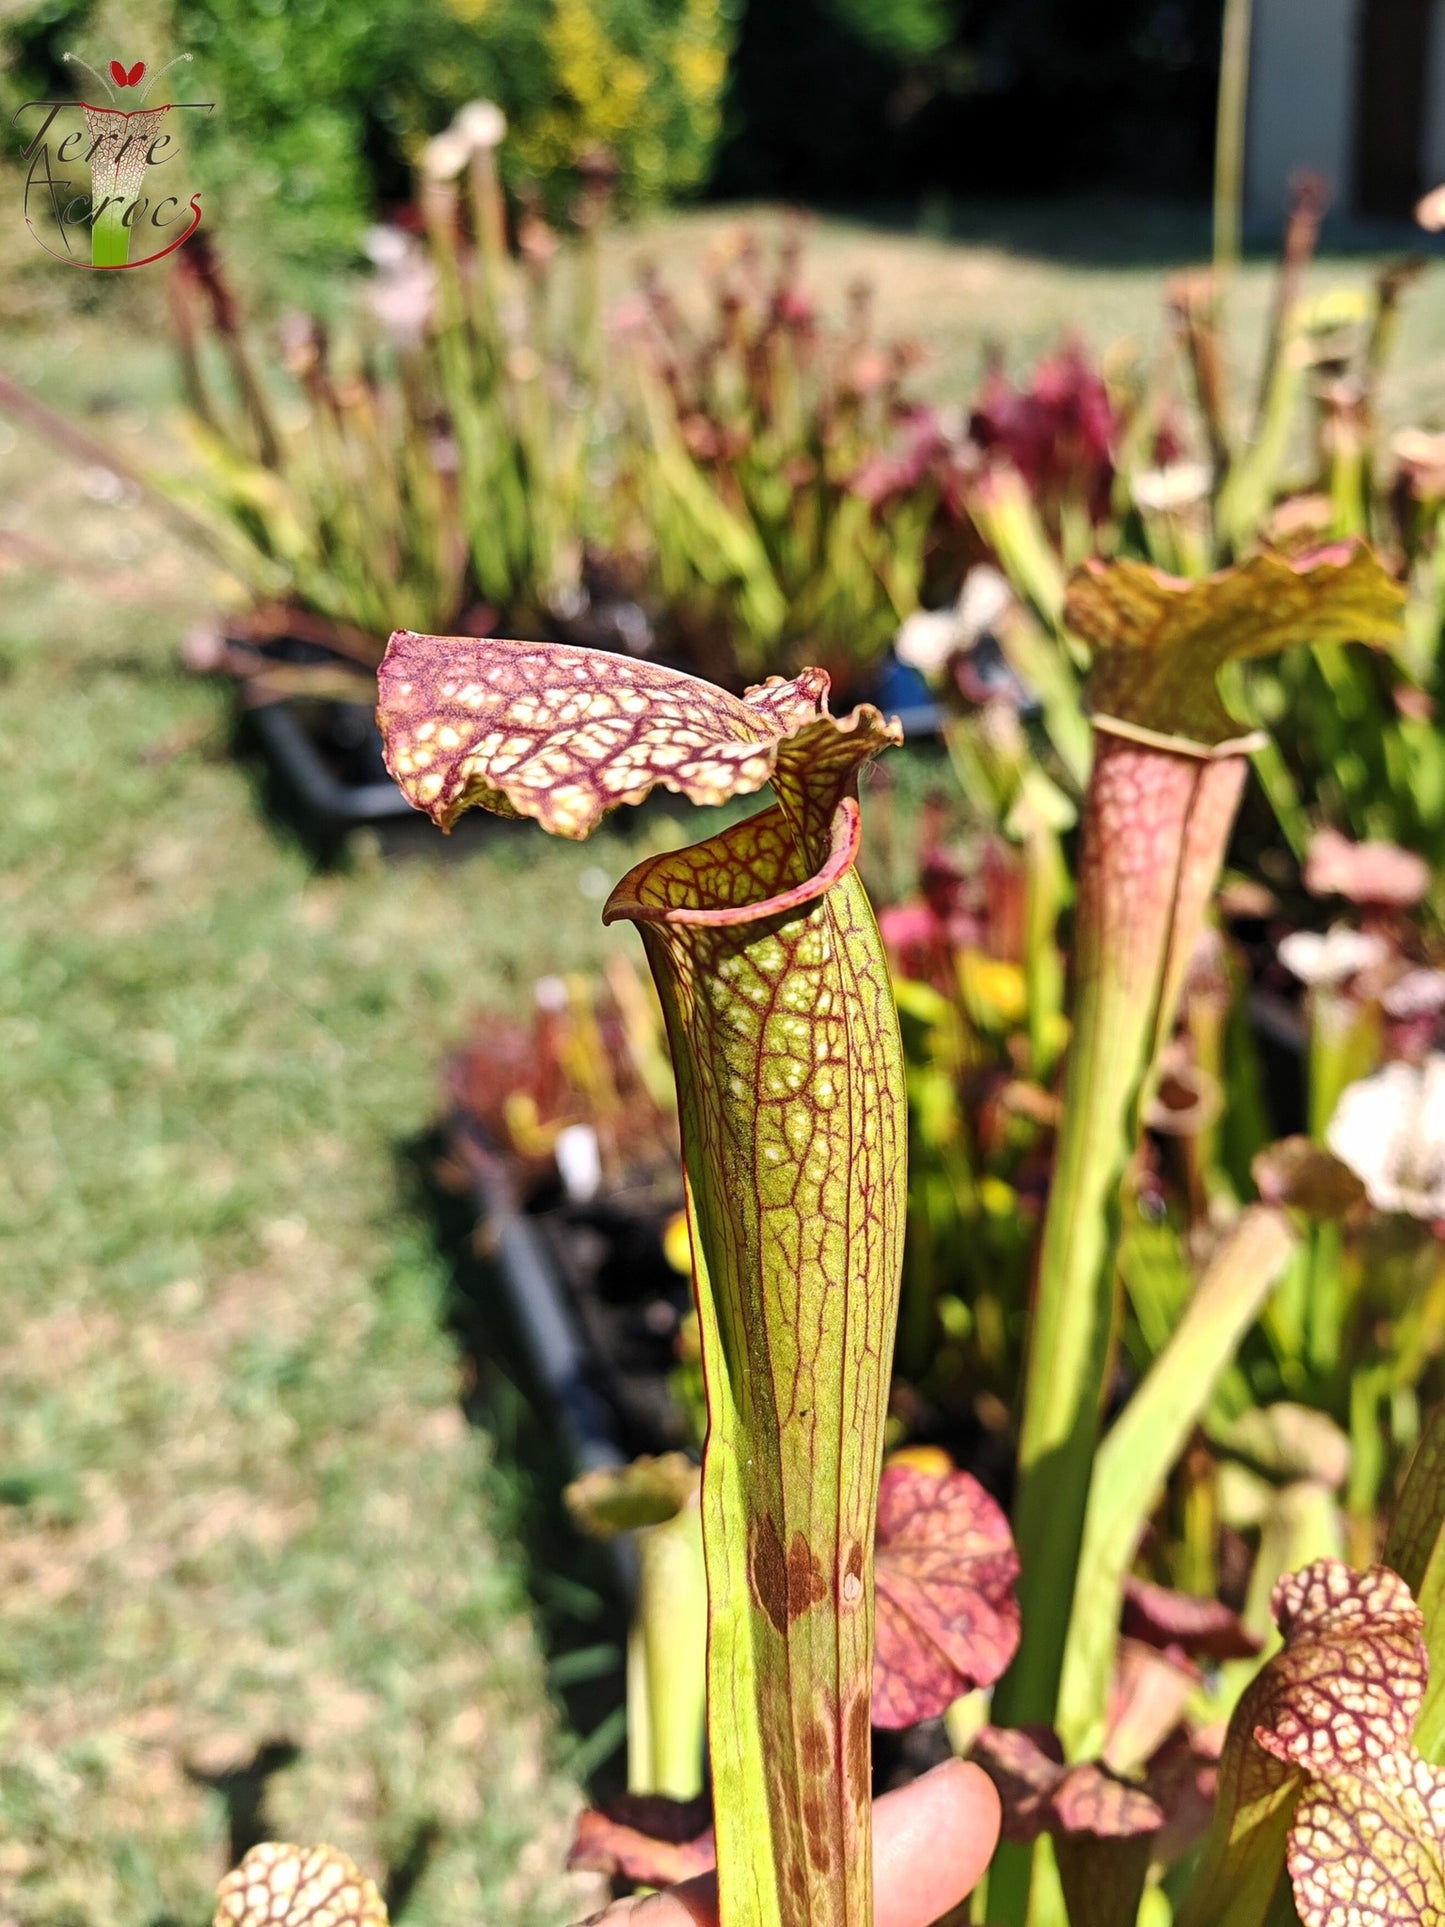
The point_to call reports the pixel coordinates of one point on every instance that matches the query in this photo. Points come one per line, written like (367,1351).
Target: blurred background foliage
(324,104)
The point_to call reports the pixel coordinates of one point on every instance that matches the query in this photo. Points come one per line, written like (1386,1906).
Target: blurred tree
(324,103)
(866,99)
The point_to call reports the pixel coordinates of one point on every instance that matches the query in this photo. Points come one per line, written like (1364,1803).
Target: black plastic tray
(553,1349)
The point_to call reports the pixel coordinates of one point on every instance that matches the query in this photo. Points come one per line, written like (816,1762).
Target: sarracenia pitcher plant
(1169,769)
(790,1082)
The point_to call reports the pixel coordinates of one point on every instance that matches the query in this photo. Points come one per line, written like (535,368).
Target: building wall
(1434,154)
(1302,100)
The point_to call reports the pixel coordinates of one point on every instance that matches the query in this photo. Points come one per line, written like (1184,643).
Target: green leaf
(656,1500)
(1416,1550)
(667,1659)
(1135,1459)
(791,1097)
(1167,777)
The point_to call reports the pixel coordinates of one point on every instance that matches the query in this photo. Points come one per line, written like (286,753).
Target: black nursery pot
(328,755)
(325,774)
(591,1310)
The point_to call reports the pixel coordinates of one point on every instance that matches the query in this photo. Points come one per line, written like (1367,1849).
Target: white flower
(403,293)
(1419,993)
(579,1162)
(1390,1130)
(482,124)
(930,636)
(983,602)
(1324,962)
(550,994)
(1178,486)
(387,247)
(445,155)
(927,639)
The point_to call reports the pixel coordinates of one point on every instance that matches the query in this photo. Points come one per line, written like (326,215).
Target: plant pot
(898,690)
(597,1354)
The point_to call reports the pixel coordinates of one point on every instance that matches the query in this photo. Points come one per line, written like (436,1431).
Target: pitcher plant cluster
(1150,1766)
(1007,1152)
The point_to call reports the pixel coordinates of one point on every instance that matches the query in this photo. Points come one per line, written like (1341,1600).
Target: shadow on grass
(244,1791)
(580,1607)
(1104,230)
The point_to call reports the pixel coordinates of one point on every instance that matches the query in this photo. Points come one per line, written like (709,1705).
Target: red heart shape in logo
(123,79)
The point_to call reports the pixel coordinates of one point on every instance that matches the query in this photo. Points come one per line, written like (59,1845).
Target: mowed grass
(240,1508)
(256,1572)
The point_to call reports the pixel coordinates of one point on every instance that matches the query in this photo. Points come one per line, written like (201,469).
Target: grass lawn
(240,1508)
(257,1571)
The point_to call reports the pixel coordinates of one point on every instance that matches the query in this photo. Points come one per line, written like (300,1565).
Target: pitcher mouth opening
(637,898)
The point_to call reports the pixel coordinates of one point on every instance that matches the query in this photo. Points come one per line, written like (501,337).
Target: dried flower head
(278,1885)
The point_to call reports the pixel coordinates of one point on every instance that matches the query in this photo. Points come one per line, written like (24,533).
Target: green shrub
(323,105)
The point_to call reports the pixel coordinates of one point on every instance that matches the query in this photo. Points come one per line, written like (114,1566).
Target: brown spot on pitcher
(806,1584)
(850,1593)
(768,1571)
(815,1828)
(816,1749)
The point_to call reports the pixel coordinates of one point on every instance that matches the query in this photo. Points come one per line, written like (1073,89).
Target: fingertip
(934,1839)
(976,1790)
(968,1803)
